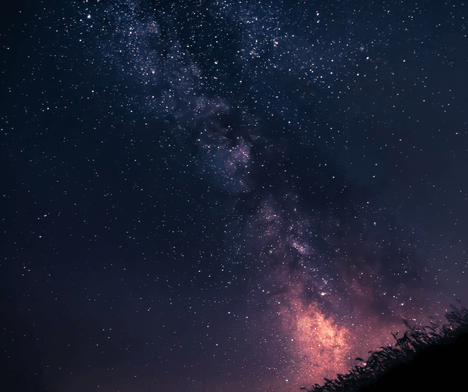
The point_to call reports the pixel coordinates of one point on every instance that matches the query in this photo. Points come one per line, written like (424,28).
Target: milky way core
(321,347)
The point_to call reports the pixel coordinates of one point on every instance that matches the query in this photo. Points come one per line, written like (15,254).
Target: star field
(218,196)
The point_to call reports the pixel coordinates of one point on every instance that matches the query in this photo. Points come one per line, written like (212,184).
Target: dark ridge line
(430,358)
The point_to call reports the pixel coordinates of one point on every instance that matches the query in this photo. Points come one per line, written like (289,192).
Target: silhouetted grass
(431,358)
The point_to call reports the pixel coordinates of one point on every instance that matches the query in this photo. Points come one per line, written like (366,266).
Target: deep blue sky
(222,195)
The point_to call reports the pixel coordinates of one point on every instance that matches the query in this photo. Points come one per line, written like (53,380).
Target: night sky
(220,196)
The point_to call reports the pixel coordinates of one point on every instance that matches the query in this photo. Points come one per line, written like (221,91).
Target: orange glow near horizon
(319,346)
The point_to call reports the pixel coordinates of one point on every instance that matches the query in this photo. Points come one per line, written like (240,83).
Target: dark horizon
(429,358)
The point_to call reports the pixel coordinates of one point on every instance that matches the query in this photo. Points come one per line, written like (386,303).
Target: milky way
(232,195)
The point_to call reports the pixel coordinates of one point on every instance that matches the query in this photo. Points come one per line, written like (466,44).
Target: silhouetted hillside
(433,358)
